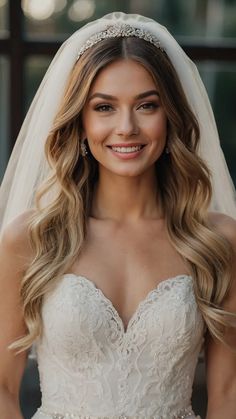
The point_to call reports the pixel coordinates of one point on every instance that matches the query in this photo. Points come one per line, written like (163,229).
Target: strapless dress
(91,367)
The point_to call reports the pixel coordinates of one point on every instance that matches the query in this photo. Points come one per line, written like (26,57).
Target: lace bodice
(90,366)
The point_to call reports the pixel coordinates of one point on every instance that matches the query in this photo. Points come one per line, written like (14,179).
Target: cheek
(158,126)
(96,130)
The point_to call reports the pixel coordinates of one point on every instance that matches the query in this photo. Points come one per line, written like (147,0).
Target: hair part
(183,179)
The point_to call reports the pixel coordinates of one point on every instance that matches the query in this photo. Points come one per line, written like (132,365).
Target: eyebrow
(110,97)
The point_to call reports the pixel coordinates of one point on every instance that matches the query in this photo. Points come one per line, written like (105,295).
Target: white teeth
(127,149)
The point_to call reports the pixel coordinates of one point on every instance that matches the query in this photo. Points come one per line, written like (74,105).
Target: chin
(128,172)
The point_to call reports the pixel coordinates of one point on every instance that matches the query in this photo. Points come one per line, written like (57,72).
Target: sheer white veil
(27,166)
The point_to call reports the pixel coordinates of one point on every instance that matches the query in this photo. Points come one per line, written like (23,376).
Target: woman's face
(124,120)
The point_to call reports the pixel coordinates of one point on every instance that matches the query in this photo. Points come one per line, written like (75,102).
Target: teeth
(127,149)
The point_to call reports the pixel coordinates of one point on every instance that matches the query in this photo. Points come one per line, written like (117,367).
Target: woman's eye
(103,108)
(149,105)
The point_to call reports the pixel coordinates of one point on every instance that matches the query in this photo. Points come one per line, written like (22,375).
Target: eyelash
(153,105)
(100,108)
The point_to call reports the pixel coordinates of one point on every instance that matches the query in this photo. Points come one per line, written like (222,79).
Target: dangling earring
(83,147)
(167,150)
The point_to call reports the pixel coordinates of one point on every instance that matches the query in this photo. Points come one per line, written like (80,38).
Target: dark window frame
(17,48)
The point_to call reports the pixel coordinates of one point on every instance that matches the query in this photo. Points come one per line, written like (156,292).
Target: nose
(127,124)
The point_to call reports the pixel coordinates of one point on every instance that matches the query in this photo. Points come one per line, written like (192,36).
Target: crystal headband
(118,30)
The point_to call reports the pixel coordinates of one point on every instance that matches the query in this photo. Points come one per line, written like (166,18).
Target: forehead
(123,75)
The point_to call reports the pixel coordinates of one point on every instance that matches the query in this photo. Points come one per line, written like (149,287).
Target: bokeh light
(38,10)
(3,3)
(81,10)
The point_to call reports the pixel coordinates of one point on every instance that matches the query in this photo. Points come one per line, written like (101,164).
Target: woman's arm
(221,381)
(221,361)
(14,254)
(9,406)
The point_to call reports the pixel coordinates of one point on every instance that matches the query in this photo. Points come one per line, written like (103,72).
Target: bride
(118,243)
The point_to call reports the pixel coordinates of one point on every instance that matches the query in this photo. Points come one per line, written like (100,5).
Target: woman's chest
(127,263)
(121,255)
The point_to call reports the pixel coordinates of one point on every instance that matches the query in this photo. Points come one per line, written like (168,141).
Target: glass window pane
(220,82)
(62,17)
(4,107)
(34,70)
(199,18)
(3,18)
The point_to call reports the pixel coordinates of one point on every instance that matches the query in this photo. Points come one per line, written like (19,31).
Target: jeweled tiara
(117,30)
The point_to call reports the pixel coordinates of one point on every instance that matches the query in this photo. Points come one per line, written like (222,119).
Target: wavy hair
(183,180)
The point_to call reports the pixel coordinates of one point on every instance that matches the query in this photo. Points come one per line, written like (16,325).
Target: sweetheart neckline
(126,328)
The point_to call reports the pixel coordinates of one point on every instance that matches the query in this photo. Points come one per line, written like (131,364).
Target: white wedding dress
(91,367)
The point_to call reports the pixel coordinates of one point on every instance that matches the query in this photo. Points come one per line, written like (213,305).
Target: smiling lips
(126,150)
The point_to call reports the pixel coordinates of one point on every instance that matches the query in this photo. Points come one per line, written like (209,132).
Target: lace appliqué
(90,364)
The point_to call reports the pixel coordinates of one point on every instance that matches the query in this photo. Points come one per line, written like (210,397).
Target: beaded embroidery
(184,414)
(119,30)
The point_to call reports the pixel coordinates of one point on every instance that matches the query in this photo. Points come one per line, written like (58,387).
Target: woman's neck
(122,198)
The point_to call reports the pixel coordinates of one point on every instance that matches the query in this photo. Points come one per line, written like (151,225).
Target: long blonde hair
(183,179)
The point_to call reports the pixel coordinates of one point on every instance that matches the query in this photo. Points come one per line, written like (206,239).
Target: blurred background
(31,32)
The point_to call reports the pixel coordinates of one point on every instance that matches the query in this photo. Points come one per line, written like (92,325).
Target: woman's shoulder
(224,225)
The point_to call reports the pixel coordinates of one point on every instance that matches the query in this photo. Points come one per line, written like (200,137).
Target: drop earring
(83,147)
